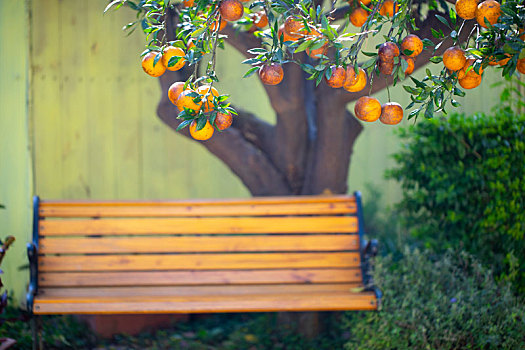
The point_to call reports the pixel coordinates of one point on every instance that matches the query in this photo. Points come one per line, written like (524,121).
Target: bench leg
(36,327)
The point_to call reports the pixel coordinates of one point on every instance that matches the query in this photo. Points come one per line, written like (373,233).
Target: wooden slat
(152,292)
(205,202)
(224,303)
(196,261)
(175,209)
(254,225)
(186,244)
(169,278)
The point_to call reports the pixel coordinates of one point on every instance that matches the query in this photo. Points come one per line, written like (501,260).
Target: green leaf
(443,20)
(436,59)
(113,3)
(184,124)
(250,72)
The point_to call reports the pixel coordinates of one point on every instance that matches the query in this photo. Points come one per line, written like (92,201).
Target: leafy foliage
(431,301)
(463,183)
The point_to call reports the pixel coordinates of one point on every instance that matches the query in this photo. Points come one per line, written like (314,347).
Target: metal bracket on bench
(368,251)
(32,254)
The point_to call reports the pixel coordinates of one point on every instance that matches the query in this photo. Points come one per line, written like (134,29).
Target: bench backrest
(284,240)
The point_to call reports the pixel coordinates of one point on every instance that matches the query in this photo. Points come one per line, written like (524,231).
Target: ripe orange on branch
(170,52)
(388,50)
(175,90)
(521,66)
(358,17)
(223,121)
(454,58)
(411,64)
(149,66)
(187,101)
(387,9)
(466,9)
(208,101)
(231,10)
(385,67)
(412,43)
(337,77)
(391,113)
(490,10)
(271,74)
(260,20)
(367,109)
(294,27)
(203,134)
(354,82)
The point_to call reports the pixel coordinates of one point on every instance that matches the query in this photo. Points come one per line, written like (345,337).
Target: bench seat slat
(177,209)
(161,262)
(182,244)
(238,225)
(335,301)
(169,278)
(203,290)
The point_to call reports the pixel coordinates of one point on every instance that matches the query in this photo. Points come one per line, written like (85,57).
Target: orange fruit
(358,16)
(367,109)
(286,36)
(365,2)
(387,9)
(213,25)
(522,36)
(231,10)
(504,61)
(175,90)
(387,51)
(170,52)
(186,101)
(470,81)
(188,3)
(271,74)
(521,66)
(203,134)
(223,121)
(260,20)
(147,64)
(208,102)
(354,82)
(454,58)
(489,9)
(385,67)
(294,27)
(337,77)
(411,65)
(391,113)
(466,9)
(315,53)
(471,73)
(412,43)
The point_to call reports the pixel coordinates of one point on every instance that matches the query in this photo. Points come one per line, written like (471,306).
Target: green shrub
(463,183)
(446,301)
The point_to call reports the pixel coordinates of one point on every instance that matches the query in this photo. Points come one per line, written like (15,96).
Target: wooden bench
(199,256)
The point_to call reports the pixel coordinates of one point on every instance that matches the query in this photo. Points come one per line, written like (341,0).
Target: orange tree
(308,54)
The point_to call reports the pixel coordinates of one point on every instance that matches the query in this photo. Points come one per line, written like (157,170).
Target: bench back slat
(196,244)
(261,207)
(163,262)
(202,277)
(230,225)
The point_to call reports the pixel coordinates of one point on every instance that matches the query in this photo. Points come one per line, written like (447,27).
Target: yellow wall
(15,162)
(94,130)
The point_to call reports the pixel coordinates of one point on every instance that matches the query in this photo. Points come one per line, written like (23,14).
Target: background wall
(92,126)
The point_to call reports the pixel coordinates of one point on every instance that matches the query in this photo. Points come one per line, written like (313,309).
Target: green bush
(445,301)
(463,183)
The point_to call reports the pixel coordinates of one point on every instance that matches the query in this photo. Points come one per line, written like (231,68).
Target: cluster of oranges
(171,58)
(349,79)
(359,15)
(369,109)
(411,45)
(455,60)
(196,100)
(470,9)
